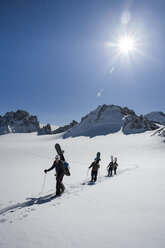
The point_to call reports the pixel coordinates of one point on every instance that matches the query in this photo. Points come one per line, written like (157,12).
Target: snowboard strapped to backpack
(98,157)
(61,154)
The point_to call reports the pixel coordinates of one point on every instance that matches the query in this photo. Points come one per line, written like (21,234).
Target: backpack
(115,166)
(66,169)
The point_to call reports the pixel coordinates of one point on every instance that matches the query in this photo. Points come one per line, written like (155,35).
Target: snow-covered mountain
(18,122)
(110,119)
(102,121)
(158,117)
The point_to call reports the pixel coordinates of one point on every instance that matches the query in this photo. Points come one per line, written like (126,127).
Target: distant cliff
(18,122)
(156,116)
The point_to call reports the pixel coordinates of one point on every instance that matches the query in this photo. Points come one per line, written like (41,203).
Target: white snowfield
(124,211)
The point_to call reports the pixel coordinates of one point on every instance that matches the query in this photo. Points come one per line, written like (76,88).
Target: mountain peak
(107,119)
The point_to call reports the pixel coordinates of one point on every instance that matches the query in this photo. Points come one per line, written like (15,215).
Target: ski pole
(67,190)
(99,176)
(43,184)
(86,175)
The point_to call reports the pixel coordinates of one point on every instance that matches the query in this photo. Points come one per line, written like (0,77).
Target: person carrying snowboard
(110,167)
(115,165)
(95,166)
(58,165)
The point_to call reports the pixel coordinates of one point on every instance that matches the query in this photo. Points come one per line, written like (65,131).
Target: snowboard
(61,154)
(115,159)
(98,156)
(91,183)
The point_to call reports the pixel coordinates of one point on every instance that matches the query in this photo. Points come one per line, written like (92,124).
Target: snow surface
(125,211)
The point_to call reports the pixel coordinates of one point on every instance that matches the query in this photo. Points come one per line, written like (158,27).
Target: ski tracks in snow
(26,207)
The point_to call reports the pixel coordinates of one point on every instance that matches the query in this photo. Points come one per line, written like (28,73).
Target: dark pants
(110,172)
(59,185)
(115,168)
(94,176)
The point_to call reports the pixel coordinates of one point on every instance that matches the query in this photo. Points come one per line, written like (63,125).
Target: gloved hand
(45,171)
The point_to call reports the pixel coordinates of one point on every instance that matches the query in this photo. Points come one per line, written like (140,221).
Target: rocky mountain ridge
(103,120)
(22,122)
(65,128)
(110,119)
(157,117)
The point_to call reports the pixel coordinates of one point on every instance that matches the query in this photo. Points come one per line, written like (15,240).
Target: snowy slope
(124,211)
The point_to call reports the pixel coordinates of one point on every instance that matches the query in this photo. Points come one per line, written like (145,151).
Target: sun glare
(126,45)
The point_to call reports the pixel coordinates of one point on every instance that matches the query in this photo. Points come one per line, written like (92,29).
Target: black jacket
(95,166)
(110,166)
(59,167)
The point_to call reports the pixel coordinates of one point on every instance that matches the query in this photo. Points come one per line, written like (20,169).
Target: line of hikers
(59,167)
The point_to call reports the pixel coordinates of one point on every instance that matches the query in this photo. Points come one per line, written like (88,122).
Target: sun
(126,45)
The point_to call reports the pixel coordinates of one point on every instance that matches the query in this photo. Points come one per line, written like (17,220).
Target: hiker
(58,165)
(95,166)
(110,167)
(115,164)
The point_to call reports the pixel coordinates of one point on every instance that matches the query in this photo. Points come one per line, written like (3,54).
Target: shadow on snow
(29,203)
(47,198)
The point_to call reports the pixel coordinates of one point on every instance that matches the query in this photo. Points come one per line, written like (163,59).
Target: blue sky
(56,61)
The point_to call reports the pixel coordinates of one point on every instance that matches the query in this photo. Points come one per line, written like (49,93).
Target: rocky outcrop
(65,128)
(45,130)
(108,119)
(160,132)
(18,122)
(157,117)
(137,124)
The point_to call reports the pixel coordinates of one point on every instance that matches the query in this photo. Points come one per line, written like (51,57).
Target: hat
(57,157)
